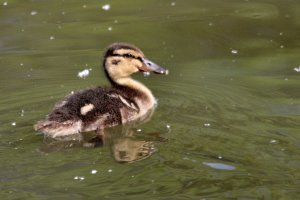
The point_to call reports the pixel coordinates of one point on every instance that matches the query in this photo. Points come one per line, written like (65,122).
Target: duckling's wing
(92,106)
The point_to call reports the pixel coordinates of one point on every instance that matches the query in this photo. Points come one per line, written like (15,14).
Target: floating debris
(234,51)
(106,7)
(219,166)
(13,123)
(81,178)
(297,69)
(273,141)
(84,73)
(33,13)
(94,171)
(22,113)
(207,124)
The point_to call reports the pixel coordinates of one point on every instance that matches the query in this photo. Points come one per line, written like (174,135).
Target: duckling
(102,107)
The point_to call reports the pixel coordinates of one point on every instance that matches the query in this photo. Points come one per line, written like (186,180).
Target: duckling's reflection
(127,145)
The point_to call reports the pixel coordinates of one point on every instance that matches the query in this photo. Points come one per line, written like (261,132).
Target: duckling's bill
(150,66)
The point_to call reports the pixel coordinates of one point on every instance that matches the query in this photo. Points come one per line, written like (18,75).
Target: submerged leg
(97,140)
(100,134)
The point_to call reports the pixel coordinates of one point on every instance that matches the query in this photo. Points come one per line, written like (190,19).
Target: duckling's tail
(57,129)
(40,125)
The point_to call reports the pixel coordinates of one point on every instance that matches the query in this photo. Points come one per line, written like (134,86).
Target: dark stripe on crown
(115,46)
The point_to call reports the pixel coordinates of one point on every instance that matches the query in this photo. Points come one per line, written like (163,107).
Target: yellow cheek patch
(86,108)
(137,63)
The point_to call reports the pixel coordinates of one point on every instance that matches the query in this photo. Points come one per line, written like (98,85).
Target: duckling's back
(88,110)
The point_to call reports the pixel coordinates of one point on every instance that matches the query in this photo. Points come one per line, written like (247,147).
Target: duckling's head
(121,60)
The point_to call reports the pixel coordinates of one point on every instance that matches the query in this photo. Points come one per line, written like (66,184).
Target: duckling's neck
(138,86)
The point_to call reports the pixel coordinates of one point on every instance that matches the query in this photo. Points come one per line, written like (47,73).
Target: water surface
(227,121)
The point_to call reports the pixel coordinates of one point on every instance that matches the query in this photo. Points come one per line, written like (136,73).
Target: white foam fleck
(168,126)
(81,178)
(5,3)
(109,28)
(84,73)
(234,51)
(173,3)
(273,141)
(139,130)
(13,123)
(84,6)
(33,13)
(207,124)
(21,64)
(297,69)
(52,38)
(94,171)
(106,7)
(110,170)
(22,113)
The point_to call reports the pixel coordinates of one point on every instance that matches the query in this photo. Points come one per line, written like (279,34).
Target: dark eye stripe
(127,55)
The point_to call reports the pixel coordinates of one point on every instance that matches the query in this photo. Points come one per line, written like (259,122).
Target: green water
(228,117)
